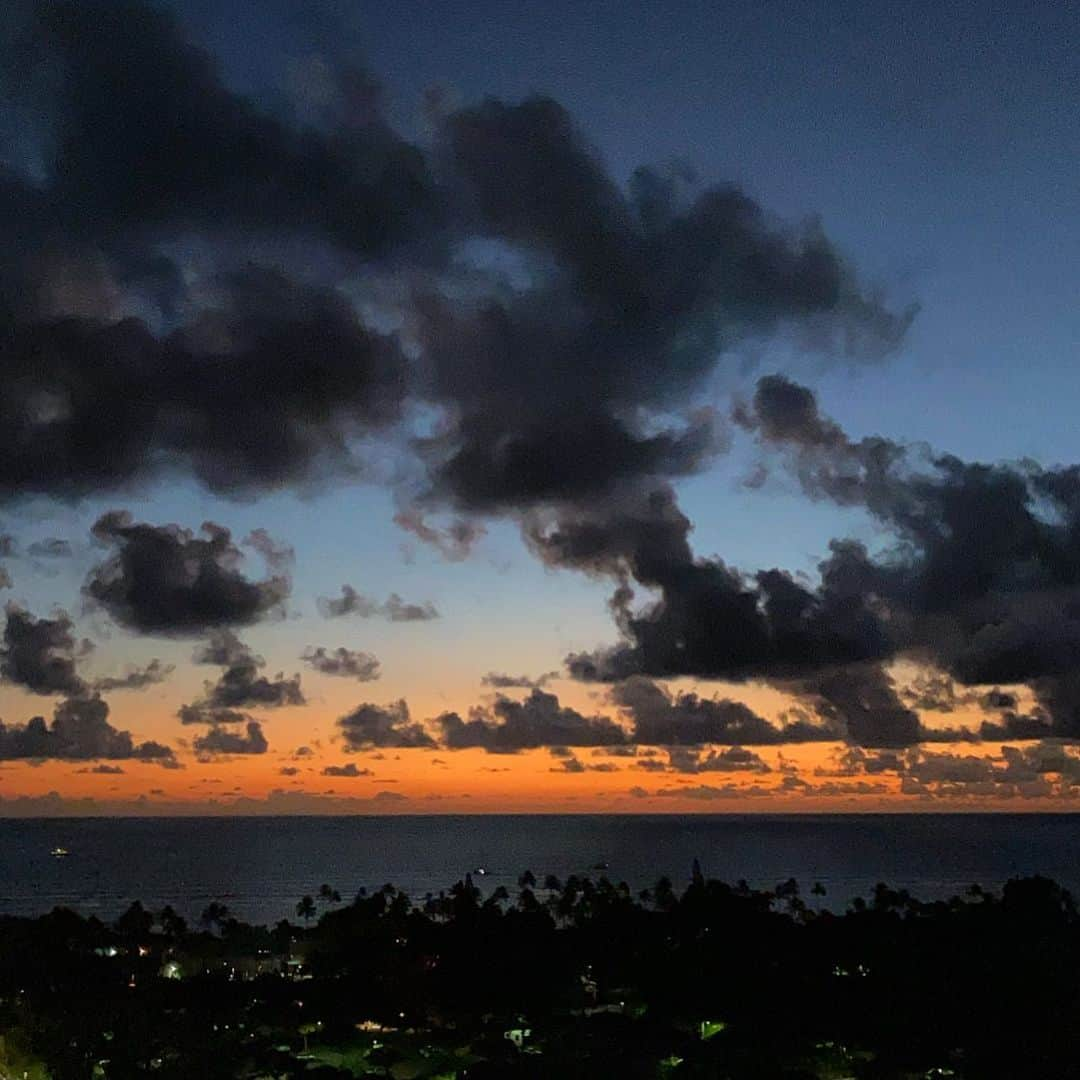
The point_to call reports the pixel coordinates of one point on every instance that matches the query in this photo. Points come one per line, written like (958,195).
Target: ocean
(260,867)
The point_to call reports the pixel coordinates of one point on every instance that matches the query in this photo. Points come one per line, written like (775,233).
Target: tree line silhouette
(577,977)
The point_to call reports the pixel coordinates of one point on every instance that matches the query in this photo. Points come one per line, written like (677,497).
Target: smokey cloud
(40,655)
(350,769)
(499,680)
(177,260)
(240,683)
(223,741)
(981,582)
(538,720)
(136,678)
(685,719)
(371,726)
(394,609)
(165,580)
(79,731)
(346,663)
(172,303)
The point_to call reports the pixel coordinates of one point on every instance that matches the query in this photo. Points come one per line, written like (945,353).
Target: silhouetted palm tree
(173,925)
(135,923)
(306,909)
(214,914)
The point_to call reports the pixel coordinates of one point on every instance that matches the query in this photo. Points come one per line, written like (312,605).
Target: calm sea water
(260,867)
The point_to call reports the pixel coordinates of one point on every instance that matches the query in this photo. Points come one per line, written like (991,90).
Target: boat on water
(59,852)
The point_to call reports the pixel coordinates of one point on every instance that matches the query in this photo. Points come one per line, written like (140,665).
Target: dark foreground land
(566,979)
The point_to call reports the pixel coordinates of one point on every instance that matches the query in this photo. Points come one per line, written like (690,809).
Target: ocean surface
(260,867)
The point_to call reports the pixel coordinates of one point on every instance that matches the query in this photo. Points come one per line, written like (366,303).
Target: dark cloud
(288,770)
(200,713)
(1036,770)
(240,684)
(709,792)
(265,389)
(145,132)
(51,548)
(383,726)
(863,703)
(538,720)
(999,699)
(80,731)
(276,555)
(731,759)
(581,382)
(348,663)
(933,691)
(1013,725)
(173,256)
(981,581)
(393,608)
(390,797)
(222,649)
(221,740)
(623,751)
(40,654)
(178,286)
(659,718)
(984,579)
(350,769)
(163,579)
(570,764)
(500,681)
(103,770)
(710,620)
(145,160)
(136,678)
(265,385)
(454,542)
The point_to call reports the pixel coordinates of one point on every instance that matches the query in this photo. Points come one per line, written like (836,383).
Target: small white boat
(59,852)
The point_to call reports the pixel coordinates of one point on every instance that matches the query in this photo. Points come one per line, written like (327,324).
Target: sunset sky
(479,407)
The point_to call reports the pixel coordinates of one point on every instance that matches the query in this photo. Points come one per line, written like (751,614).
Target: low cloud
(51,548)
(351,770)
(346,663)
(392,608)
(136,678)
(219,741)
(685,719)
(500,681)
(202,714)
(732,759)
(539,720)
(454,542)
(371,725)
(241,684)
(165,580)
(40,654)
(79,731)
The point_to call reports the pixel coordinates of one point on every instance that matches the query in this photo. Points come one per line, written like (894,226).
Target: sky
(552,407)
